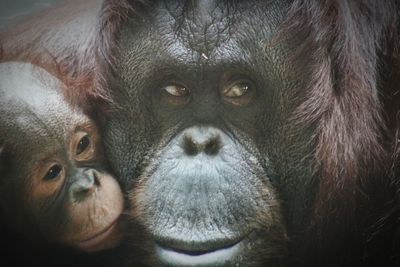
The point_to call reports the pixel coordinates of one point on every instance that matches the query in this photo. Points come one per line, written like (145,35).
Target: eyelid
(228,88)
(50,167)
(87,128)
(39,171)
(83,137)
(182,97)
(237,80)
(89,153)
(242,98)
(185,90)
(40,188)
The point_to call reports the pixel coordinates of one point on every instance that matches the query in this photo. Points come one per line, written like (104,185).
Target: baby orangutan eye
(83,144)
(53,173)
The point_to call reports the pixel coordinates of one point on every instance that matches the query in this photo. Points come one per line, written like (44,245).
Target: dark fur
(347,39)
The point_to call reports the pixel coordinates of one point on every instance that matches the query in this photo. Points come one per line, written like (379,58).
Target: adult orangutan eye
(53,172)
(236,90)
(175,95)
(239,93)
(176,90)
(83,144)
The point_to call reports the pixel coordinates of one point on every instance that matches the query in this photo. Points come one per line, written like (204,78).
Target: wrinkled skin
(54,188)
(203,132)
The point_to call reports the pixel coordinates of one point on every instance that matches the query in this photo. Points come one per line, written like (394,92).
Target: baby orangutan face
(91,199)
(53,183)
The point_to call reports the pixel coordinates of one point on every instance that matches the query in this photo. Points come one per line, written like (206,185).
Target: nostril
(190,146)
(213,146)
(96,181)
(209,146)
(87,191)
(81,193)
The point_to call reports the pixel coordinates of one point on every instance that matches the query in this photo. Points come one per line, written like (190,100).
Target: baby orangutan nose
(86,185)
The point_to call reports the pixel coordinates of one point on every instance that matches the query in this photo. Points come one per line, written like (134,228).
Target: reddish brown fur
(41,39)
(80,59)
(343,102)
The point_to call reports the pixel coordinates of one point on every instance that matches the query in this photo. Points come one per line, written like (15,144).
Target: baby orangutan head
(52,180)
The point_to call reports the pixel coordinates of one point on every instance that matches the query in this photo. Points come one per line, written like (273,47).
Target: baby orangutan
(53,187)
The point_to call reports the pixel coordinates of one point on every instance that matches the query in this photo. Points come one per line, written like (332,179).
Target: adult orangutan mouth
(214,257)
(105,238)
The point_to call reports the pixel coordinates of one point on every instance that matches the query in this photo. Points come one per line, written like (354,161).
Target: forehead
(205,26)
(197,29)
(34,117)
(200,41)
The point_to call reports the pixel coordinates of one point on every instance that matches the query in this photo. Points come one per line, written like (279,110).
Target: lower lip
(215,257)
(99,240)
